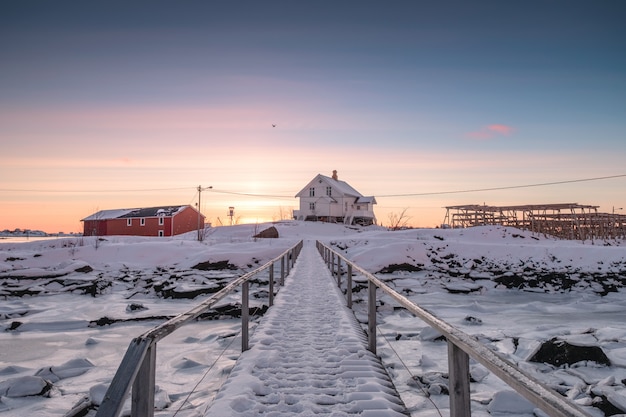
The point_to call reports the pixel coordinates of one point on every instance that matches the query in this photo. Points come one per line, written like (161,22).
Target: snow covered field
(71,306)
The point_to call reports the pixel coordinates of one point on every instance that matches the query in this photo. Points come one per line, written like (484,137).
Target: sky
(118,105)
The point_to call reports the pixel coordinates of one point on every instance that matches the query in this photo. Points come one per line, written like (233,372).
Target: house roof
(366,200)
(341,186)
(165,211)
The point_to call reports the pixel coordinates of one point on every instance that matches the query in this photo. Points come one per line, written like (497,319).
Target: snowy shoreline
(487,273)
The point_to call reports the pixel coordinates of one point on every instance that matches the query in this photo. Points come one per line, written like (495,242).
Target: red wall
(94,228)
(184,221)
(150,228)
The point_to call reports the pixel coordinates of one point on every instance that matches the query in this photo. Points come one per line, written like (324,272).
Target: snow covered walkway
(308,357)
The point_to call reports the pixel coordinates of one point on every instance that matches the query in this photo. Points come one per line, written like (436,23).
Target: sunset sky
(117,104)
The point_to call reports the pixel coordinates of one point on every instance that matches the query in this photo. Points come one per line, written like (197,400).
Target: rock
(431,335)
(214,266)
(14,325)
(560,352)
(462,288)
(510,402)
(472,320)
(618,401)
(97,392)
(69,369)
(389,269)
(84,269)
(478,373)
(270,233)
(24,386)
(132,307)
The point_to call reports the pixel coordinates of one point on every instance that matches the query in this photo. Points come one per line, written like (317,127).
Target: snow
(308,354)
(483,280)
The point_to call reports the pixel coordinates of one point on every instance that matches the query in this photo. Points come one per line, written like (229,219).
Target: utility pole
(200,222)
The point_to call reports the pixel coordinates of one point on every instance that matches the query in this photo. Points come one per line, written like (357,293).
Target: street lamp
(200,225)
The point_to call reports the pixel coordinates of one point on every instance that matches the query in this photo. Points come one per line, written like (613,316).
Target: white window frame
(329,191)
(312,192)
(142,221)
(161,221)
(312,206)
(129,221)
(161,233)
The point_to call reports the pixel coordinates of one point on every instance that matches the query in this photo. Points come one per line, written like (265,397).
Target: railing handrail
(533,390)
(166,328)
(140,357)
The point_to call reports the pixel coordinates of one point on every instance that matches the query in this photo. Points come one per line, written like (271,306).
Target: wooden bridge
(309,356)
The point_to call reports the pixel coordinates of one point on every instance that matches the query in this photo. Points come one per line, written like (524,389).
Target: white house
(329,200)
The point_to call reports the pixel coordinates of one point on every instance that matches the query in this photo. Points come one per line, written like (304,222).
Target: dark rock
(14,325)
(135,307)
(559,352)
(472,320)
(214,266)
(270,233)
(13,259)
(609,409)
(511,281)
(400,267)
(435,383)
(84,269)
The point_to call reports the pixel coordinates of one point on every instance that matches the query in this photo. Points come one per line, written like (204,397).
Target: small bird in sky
(273,125)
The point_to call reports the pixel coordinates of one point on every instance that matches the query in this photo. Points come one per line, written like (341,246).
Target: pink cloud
(501,129)
(491,131)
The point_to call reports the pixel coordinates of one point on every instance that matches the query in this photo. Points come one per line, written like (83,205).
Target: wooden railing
(138,367)
(461,347)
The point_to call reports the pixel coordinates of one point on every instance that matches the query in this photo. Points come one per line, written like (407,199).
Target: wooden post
(349,287)
(288,261)
(245,313)
(458,381)
(338,271)
(371,316)
(271,301)
(282,270)
(142,402)
(124,378)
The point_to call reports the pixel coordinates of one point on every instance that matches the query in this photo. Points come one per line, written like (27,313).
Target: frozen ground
(71,306)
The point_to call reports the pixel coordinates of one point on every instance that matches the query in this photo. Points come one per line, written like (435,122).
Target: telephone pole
(200,222)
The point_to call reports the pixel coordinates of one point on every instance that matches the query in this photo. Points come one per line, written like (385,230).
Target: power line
(253,195)
(511,187)
(45,190)
(278,196)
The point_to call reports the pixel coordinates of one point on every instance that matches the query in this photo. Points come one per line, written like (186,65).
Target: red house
(151,221)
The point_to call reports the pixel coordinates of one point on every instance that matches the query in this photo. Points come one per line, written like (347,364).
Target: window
(312,206)
(161,221)
(358,207)
(129,222)
(329,191)
(160,233)
(312,192)
(142,222)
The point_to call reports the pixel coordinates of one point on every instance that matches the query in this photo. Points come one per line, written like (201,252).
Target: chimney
(335,175)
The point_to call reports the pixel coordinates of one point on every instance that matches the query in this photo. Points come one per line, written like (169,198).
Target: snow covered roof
(366,200)
(341,186)
(162,211)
